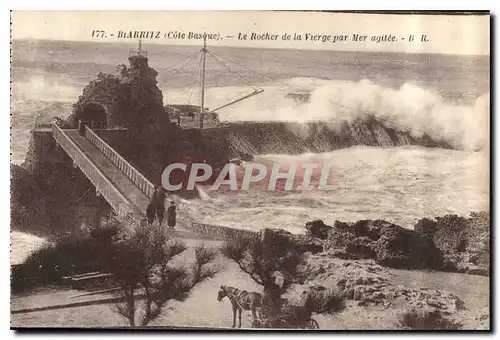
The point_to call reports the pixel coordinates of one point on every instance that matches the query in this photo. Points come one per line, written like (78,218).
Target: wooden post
(202,108)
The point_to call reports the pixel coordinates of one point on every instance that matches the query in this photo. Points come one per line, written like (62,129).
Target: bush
(143,265)
(427,320)
(68,255)
(322,300)
(277,254)
(271,261)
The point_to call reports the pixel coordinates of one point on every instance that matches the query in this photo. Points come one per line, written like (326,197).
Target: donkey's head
(222,293)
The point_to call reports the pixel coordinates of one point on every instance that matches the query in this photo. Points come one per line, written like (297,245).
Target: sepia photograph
(250,170)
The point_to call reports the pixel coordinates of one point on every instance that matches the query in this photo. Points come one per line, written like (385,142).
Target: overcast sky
(446,34)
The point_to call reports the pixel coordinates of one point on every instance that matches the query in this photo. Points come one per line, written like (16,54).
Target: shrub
(322,300)
(68,255)
(142,265)
(277,254)
(427,320)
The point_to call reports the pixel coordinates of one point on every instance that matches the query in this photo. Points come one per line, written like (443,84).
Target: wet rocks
(426,227)
(361,248)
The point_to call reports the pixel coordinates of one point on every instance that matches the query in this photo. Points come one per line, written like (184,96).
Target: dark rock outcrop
(403,248)
(464,242)
(254,138)
(310,244)
(451,234)
(317,229)
(303,243)
(131,99)
(387,243)
(449,243)
(426,227)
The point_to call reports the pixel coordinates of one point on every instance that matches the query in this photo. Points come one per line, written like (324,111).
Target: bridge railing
(114,197)
(135,176)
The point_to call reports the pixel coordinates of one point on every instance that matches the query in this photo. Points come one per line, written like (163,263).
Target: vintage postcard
(219,170)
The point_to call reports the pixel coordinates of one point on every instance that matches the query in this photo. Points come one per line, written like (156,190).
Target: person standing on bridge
(156,206)
(171,215)
(150,211)
(159,198)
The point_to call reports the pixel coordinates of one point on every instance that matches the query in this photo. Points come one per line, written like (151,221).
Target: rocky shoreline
(367,285)
(359,260)
(449,243)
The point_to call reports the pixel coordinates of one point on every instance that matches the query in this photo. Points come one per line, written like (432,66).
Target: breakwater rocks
(449,243)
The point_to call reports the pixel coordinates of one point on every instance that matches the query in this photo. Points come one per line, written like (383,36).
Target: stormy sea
(443,96)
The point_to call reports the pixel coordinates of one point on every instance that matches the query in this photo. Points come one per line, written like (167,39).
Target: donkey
(240,300)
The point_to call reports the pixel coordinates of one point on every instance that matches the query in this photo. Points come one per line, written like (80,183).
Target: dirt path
(201,309)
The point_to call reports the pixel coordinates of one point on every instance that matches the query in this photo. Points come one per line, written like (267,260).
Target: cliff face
(296,138)
(49,195)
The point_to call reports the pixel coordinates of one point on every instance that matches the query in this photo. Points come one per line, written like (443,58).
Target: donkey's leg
(234,314)
(253,308)
(240,310)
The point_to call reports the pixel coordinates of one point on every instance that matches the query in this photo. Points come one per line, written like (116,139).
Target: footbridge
(126,190)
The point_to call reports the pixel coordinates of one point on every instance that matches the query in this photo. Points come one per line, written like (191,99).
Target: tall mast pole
(139,47)
(202,109)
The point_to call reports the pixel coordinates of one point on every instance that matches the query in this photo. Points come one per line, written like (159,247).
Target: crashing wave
(418,112)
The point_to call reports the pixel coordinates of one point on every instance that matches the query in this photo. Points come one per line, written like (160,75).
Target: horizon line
(129,42)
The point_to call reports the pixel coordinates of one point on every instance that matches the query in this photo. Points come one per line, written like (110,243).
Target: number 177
(98,34)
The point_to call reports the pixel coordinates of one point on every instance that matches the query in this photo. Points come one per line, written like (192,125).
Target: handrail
(115,198)
(135,176)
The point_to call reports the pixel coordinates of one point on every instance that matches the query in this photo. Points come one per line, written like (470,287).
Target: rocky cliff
(49,195)
(296,138)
